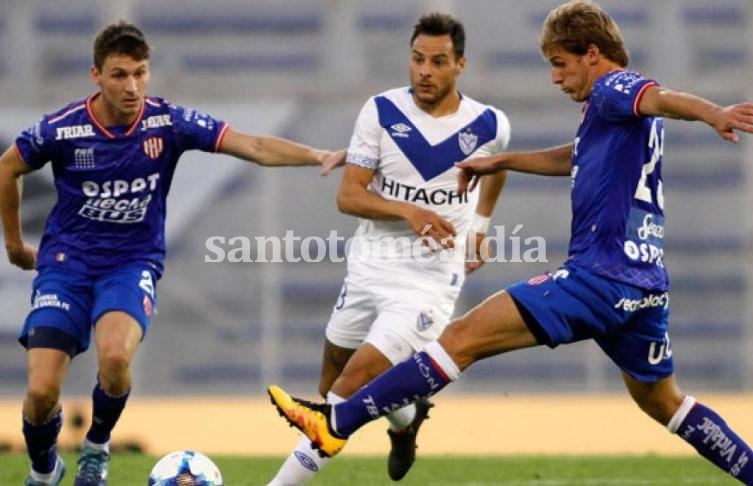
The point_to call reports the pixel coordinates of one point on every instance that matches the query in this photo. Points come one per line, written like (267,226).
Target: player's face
(122,81)
(571,73)
(433,69)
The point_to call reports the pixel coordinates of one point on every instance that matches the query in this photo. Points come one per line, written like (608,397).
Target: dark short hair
(437,24)
(579,23)
(120,38)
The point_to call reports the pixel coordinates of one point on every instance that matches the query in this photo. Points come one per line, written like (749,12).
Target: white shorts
(396,312)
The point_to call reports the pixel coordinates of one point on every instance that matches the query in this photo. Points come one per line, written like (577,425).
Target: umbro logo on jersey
(153,147)
(400,130)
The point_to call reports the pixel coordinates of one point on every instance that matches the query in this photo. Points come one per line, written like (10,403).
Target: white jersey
(413,155)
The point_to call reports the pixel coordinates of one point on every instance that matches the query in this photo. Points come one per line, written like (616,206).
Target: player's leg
(695,423)
(412,316)
(643,351)
(334,358)
(346,330)
(117,336)
(56,330)
(42,413)
(492,327)
(124,302)
(304,462)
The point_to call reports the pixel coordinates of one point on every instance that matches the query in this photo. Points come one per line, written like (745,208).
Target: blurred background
(302,69)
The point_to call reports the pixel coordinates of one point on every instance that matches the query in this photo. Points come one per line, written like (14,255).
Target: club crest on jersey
(539,279)
(424,321)
(467,141)
(153,147)
(148,306)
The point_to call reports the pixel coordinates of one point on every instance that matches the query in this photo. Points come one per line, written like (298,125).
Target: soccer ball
(185,468)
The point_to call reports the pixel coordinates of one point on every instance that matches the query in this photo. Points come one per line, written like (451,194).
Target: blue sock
(710,435)
(40,443)
(404,383)
(106,411)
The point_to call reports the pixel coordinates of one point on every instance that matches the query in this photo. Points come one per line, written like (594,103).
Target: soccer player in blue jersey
(113,155)
(613,288)
(401,181)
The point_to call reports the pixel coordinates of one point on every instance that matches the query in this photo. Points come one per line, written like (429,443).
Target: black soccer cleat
(403,452)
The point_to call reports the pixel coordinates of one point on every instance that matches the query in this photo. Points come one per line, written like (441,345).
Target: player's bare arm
(271,151)
(479,250)
(659,101)
(12,168)
(355,198)
(554,161)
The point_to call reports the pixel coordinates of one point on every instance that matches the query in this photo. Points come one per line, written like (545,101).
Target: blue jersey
(617,197)
(112,182)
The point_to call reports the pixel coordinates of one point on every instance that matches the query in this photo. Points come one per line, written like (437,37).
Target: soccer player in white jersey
(613,288)
(401,181)
(113,155)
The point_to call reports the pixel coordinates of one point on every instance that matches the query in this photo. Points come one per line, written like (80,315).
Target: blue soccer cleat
(92,467)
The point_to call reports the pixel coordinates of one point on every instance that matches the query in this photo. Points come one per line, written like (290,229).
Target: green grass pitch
(132,470)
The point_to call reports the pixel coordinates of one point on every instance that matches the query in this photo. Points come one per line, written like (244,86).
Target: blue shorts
(628,323)
(67,305)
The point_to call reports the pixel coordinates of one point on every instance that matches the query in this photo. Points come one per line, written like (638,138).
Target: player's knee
(42,398)
(454,340)
(113,361)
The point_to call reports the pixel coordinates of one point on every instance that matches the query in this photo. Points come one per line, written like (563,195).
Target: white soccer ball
(185,468)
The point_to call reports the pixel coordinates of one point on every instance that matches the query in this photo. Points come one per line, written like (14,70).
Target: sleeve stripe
(637,101)
(361,161)
(217,144)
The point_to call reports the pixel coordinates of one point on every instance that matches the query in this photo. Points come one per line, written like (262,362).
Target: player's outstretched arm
(276,152)
(660,101)
(355,198)
(551,162)
(12,167)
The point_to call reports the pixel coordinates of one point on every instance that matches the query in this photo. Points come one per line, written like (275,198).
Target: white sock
(44,478)
(402,417)
(679,417)
(440,356)
(300,466)
(304,462)
(98,447)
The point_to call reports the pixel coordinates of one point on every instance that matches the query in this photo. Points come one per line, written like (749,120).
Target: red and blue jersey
(617,196)
(112,181)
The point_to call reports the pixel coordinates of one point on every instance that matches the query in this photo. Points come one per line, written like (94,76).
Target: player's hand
(429,224)
(479,252)
(329,161)
(471,170)
(732,118)
(23,256)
